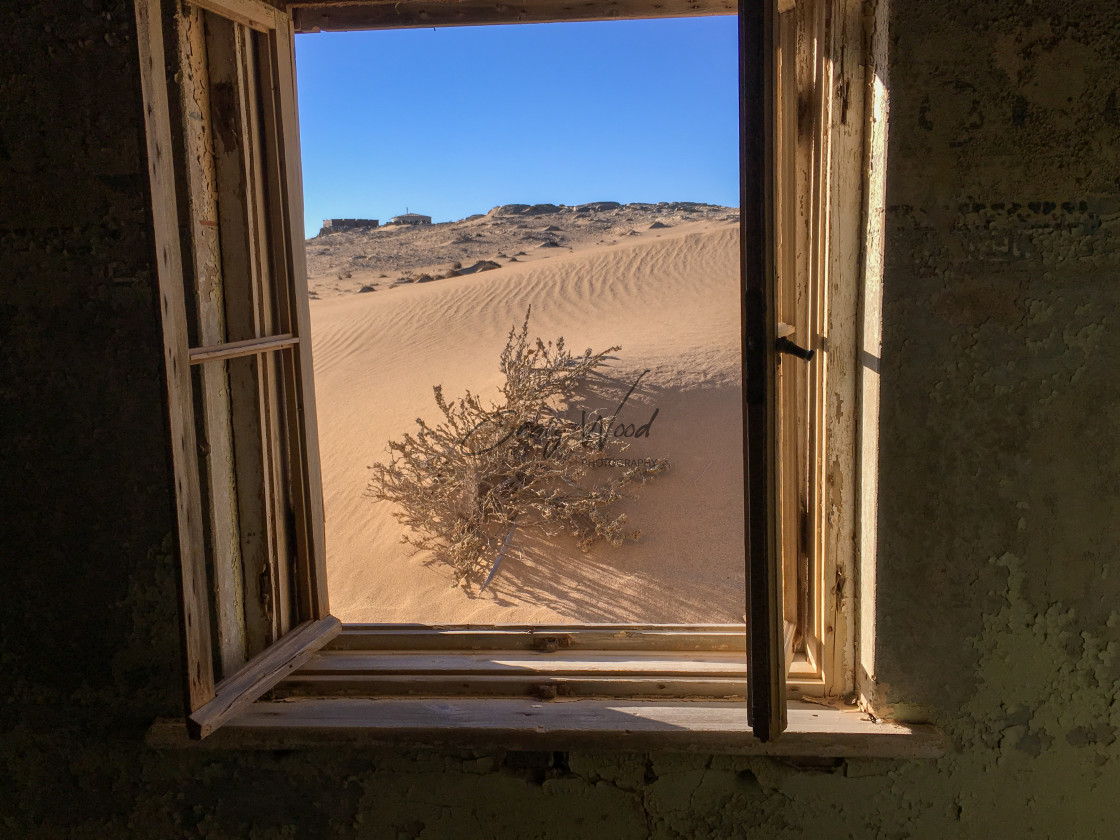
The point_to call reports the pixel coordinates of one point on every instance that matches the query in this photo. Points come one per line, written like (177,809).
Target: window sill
(563,724)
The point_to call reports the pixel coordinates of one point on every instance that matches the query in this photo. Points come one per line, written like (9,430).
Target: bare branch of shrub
(463,485)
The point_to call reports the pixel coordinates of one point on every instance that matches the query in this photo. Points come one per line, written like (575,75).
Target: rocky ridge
(352,261)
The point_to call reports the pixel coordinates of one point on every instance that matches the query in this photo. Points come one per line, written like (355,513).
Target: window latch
(784,345)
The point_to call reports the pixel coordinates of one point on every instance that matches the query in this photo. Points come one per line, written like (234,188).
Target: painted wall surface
(998,609)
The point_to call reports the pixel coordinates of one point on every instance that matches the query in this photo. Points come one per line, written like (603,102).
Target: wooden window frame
(327,683)
(250,285)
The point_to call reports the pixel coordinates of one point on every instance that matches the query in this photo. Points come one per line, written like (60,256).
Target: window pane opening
(456,178)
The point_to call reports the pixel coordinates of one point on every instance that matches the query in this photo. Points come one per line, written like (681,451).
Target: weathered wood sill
(565,724)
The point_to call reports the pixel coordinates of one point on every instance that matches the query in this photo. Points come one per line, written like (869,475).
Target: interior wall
(997,576)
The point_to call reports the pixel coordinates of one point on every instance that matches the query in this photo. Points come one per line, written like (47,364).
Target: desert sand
(667,294)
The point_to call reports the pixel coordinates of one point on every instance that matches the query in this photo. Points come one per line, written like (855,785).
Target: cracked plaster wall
(998,578)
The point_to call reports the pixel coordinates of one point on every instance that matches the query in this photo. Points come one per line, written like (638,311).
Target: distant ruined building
(331,225)
(411,219)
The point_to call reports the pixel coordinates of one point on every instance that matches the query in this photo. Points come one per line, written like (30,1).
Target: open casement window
(820,224)
(223,151)
(219,95)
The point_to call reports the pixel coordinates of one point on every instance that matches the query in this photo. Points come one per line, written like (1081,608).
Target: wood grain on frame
(519,723)
(766,707)
(208,287)
(242,689)
(255,14)
(311,591)
(391,14)
(234,105)
(195,624)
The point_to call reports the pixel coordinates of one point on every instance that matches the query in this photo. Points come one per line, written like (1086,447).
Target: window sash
(758,131)
(236,211)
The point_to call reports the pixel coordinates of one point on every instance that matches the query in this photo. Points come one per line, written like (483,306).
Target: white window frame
(664,686)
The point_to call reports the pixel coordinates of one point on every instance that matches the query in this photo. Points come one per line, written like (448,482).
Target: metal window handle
(784,345)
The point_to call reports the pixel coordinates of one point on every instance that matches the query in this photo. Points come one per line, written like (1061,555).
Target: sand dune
(671,301)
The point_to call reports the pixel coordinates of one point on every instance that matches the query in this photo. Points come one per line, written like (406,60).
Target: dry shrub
(465,485)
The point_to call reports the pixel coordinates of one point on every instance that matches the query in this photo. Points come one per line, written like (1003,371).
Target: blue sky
(454,121)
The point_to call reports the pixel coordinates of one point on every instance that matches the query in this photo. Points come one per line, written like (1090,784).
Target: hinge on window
(804,576)
(264,591)
(805,538)
(290,521)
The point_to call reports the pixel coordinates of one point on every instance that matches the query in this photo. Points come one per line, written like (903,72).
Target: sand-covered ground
(667,294)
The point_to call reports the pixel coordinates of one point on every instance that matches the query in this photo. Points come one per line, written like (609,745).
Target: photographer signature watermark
(594,430)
